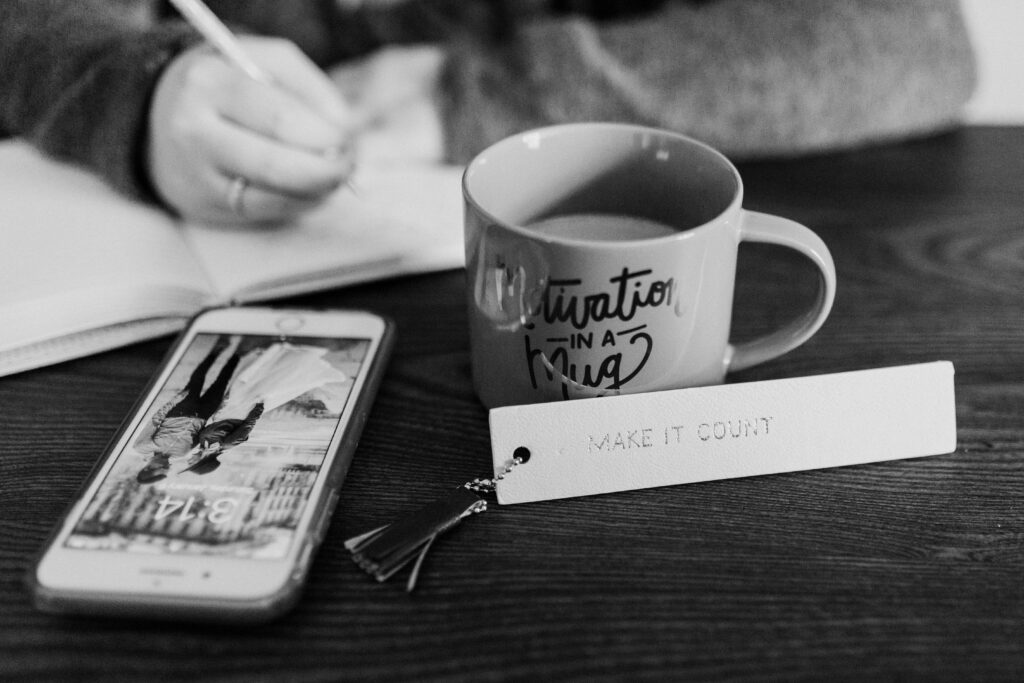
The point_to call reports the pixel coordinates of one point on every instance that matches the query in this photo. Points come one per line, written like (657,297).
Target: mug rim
(734,204)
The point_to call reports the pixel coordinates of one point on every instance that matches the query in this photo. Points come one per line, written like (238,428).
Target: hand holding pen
(251,131)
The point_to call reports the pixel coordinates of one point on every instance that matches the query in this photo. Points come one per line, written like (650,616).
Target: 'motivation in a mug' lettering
(622,304)
(631,292)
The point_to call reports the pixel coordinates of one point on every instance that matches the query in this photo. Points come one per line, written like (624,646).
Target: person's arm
(230,432)
(755,78)
(241,433)
(135,96)
(76,80)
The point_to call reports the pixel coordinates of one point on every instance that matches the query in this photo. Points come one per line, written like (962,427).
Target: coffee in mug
(600,227)
(601,259)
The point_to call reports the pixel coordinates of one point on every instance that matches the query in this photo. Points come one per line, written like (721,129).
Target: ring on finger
(236,192)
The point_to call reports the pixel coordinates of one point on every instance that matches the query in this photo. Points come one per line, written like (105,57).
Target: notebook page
(77,256)
(395,219)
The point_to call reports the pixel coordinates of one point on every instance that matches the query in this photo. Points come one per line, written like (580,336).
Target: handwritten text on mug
(631,292)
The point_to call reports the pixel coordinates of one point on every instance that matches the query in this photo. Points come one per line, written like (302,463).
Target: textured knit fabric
(76,80)
(754,78)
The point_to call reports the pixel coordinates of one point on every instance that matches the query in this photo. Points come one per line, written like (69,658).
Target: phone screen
(226,455)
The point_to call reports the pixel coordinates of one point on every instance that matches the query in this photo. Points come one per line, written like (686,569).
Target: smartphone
(215,493)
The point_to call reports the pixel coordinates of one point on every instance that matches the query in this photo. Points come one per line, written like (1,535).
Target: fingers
(277,113)
(300,78)
(210,124)
(246,203)
(274,165)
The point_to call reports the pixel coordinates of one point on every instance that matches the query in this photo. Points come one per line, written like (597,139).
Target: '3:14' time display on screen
(217,511)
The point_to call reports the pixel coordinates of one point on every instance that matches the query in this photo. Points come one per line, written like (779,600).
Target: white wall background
(996,28)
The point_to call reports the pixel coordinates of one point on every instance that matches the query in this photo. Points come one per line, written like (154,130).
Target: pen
(218,35)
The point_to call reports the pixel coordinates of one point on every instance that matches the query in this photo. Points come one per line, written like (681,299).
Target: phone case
(231,611)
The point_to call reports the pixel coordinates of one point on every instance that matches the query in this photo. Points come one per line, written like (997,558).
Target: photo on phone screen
(225,457)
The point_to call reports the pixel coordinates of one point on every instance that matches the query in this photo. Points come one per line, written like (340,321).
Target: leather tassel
(385,550)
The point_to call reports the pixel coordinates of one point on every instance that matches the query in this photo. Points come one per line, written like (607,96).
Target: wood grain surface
(908,570)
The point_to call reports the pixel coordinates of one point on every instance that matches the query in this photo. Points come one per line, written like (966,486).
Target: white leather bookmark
(590,446)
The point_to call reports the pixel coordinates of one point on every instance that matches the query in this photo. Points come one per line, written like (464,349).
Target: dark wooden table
(910,569)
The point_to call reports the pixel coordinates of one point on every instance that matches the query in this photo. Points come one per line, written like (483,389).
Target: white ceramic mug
(601,259)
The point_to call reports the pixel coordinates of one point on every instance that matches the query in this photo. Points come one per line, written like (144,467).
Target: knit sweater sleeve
(755,78)
(76,80)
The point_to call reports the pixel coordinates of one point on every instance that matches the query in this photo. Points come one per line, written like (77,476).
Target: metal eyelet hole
(523,453)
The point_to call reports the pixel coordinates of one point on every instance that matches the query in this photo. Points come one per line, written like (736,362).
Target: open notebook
(83,270)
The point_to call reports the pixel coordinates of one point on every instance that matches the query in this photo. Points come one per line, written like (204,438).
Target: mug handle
(765,228)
